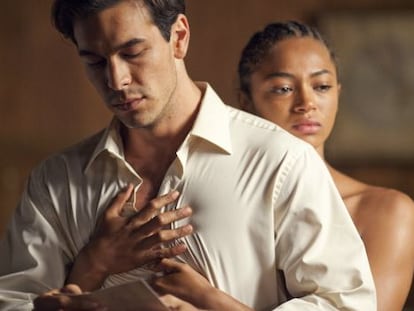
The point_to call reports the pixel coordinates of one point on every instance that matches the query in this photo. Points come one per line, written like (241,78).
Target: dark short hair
(164,13)
(261,42)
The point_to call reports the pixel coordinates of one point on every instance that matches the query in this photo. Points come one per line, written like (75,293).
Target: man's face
(128,61)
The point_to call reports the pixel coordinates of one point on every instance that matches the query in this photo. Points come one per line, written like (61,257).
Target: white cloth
(265,210)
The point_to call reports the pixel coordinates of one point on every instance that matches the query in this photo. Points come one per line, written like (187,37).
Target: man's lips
(129,104)
(307,127)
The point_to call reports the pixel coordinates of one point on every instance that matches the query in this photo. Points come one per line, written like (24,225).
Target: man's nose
(118,75)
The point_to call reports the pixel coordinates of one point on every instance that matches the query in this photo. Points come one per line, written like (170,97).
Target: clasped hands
(120,244)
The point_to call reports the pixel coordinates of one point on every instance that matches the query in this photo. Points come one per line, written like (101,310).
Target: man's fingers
(156,254)
(153,244)
(155,205)
(157,237)
(165,236)
(144,225)
(63,301)
(166,199)
(71,289)
(172,251)
(47,302)
(152,209)
(115,209)
(52,292)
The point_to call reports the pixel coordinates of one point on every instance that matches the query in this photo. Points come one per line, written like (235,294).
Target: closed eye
(133,52)
(131,55)
(97,63)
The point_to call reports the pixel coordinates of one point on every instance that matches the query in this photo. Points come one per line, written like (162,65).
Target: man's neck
(160,142)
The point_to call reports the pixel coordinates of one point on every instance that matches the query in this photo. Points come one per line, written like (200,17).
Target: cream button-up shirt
(270,227)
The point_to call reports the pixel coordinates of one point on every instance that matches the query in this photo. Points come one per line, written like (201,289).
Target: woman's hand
(176,304)
(183,282)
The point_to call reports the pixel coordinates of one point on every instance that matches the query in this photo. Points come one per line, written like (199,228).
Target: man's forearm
(86,272)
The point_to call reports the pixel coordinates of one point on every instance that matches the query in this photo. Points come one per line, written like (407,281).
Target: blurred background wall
(46,103)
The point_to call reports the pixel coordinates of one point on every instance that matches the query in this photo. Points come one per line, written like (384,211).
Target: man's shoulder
(255,130)
(73,157)
(250,120)
(84,146)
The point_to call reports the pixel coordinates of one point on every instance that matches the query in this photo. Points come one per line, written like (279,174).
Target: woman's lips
(307,128)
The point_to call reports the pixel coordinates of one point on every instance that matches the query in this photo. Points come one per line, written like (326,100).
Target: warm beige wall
(45,101)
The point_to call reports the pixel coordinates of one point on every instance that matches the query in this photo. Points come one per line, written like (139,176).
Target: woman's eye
(281,90)
(323,87)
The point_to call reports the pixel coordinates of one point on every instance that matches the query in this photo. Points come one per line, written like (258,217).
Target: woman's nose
(305,102)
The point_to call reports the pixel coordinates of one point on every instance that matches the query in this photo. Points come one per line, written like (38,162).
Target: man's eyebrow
(124,45)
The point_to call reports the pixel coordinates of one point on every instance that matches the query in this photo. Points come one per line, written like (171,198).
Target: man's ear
(180,36)
(245,103)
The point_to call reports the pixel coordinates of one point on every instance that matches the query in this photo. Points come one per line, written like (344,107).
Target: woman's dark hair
(261,42)
(164,13)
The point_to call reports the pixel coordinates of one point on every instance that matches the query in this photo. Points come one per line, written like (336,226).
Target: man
(267,228)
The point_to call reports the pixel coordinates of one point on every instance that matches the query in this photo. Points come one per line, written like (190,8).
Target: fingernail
(189,229)
(186,211)
(175,194)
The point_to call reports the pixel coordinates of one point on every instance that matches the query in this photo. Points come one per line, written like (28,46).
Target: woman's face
(296,87)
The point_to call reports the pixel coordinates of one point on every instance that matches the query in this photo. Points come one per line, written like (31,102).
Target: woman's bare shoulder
(383,211)
(386,202)
(386,198)
(372,207)
(384,218)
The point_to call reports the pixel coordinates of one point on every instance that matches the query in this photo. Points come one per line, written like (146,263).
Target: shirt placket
(127,175)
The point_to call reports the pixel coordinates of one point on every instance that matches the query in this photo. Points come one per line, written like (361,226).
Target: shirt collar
(110,142)
(211,124)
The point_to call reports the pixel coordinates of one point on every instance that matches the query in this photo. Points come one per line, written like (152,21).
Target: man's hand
(67,298)
(121,244)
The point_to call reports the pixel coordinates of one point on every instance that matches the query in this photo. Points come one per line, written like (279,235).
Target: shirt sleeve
(34,254)
(318,249)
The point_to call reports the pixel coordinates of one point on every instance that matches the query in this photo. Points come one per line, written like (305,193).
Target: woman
(288,75)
